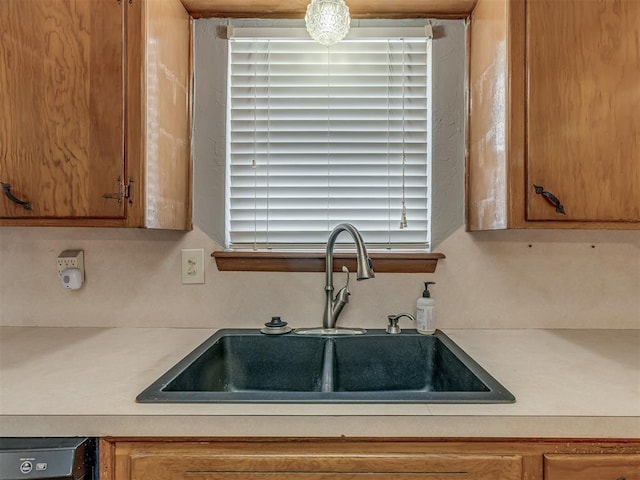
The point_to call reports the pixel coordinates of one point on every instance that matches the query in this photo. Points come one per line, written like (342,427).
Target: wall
(565,279)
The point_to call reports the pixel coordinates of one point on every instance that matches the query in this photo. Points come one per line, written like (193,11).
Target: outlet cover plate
(192,265)
(70,259)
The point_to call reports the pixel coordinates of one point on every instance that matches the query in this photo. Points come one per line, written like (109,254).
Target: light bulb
(327,20)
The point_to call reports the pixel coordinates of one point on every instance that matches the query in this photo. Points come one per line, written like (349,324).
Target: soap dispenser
(426,312)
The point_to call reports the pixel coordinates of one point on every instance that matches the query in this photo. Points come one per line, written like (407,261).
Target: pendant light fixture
(327,20)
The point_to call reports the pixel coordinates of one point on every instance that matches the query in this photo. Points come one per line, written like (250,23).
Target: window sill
(383,262)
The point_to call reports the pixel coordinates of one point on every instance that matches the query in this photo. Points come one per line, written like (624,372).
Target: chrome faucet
(333,306)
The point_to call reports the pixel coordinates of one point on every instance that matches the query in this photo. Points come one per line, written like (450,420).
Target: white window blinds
(320,136)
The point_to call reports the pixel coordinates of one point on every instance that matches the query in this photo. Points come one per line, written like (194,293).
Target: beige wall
(581,279)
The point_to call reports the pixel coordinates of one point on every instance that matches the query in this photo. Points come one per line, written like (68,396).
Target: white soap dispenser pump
(426,312)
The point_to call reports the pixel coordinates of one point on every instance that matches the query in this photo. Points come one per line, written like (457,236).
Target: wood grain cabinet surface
(592,467)
(554,129)
(291,461)
(371,459)
(94,127)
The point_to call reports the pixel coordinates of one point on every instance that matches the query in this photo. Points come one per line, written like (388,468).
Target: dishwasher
(48,458)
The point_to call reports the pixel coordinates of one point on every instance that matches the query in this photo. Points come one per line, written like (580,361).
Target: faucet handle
(343,293)
(346,270)
(393,326)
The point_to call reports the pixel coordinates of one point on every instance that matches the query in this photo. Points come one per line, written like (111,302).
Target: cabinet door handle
(6,188)
(551,198)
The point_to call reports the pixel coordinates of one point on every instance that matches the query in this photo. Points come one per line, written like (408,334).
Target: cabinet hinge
(125,190)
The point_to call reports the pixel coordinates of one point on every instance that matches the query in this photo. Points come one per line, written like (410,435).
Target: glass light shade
(327,20)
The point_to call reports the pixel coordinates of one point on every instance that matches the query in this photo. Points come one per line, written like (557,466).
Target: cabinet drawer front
(592,467)
(319,467)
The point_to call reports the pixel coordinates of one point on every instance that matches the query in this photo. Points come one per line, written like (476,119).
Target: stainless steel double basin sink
(245,366)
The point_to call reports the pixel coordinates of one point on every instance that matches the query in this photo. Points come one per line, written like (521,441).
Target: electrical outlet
(192,265)
(70,259)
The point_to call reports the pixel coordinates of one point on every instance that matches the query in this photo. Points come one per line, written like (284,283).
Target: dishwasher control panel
(47,458)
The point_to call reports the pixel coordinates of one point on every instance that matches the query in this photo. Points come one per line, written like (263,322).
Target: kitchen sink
(243,365)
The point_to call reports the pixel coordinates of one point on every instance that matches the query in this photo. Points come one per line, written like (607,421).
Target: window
(319,136)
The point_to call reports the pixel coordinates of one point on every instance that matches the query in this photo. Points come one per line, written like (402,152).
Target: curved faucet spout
(333,307)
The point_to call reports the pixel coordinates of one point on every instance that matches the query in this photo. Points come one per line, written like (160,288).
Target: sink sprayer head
(365,268)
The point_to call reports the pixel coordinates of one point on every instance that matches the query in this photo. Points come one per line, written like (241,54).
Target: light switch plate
(192,265)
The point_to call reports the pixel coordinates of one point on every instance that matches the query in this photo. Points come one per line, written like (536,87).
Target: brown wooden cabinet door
(62,107)
(592,467)
(583,109)
(203,466)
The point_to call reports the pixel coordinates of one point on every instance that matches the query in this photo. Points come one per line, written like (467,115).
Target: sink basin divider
(327,366)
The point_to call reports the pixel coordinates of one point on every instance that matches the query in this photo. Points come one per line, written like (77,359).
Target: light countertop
(83,381)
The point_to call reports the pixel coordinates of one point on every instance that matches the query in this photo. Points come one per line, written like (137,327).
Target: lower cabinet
(592,467)
(313,459)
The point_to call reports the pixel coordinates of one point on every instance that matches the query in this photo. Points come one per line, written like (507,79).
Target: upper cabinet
(554,130)
(95,127)
(62,128)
